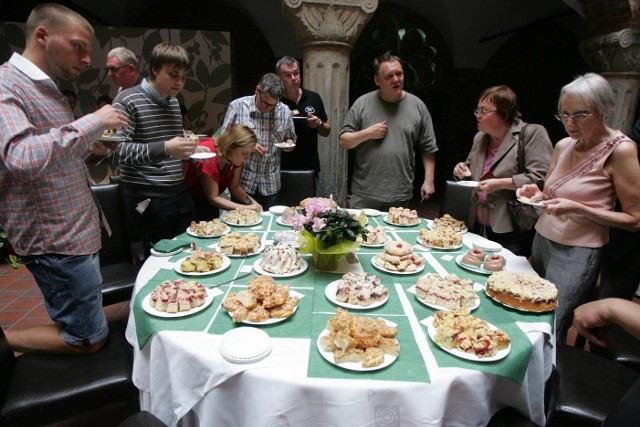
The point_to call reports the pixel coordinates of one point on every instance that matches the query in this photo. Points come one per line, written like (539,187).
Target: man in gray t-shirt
(385,127)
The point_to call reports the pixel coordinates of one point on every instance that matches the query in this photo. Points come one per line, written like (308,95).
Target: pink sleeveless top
(580,176)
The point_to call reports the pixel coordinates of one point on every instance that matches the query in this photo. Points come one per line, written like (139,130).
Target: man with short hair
(272,123)
(386,127)
(150,159)
(122,67)
(309,119)
(48,211)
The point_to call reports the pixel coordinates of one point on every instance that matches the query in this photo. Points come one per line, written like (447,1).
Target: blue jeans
(574,271)
(72,289)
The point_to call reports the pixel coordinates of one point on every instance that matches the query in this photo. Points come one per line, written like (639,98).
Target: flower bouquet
(327,233)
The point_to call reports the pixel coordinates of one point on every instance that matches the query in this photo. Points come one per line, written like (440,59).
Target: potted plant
(6,250)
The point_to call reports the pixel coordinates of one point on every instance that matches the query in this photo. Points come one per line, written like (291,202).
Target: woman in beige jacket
(494,162)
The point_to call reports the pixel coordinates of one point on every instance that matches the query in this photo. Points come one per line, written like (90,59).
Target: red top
(193,170)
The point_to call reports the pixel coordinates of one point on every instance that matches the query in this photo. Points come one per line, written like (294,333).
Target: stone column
(616,56)
(327,30)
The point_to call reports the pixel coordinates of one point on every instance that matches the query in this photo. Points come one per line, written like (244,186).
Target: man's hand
(111,118)
(260,150)
(180,147)
(378,131)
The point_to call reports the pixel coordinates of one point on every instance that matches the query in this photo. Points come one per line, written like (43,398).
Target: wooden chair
(622,348)
(296,186)
(456,201)
(119,271)
(41,389)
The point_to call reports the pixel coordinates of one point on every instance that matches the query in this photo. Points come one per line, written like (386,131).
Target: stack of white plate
(487,245)
(245,345)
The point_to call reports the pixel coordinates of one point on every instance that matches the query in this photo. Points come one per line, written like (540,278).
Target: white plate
(152,311)
(351,366)
(431,226)
(474,268)
(272,320)
(462,354)
(245,345)
(215,247)
(373,262)
(330,292)
(225,231)
(203,156)
(466,183)
(534,204)
(284,145)
(371,212)
(277,209)
(279,221)
(166,254)
(439,307)
(242,225)
(259,270)
(114,138)
(290,237)
(226,262)
(487,245)
(367,245)
(300,117)
(400,225)
(439,248)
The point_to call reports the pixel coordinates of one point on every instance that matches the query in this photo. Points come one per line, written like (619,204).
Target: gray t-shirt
(384,168)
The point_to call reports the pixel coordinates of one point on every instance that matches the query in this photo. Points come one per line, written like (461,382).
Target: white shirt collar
(29,69)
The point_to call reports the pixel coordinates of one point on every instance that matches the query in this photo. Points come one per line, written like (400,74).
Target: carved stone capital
(613,52)
(328,21)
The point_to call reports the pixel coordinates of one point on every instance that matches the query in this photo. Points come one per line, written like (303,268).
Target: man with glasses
(386,127)
(273,124)
(122,67)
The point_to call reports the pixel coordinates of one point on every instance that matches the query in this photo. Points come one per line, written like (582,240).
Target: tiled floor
(21,303)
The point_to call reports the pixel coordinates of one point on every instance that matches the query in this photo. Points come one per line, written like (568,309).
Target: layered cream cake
(214,227)
(444,238)
(239,244)
(447,221)
(403,216)
(281,259)
(450,292)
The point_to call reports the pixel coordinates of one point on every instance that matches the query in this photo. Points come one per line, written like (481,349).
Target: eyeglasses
(266,104)
(578,117)
(115,69)
(483,112)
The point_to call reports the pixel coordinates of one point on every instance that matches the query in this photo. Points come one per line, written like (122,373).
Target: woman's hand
(461,171)
(488,186)
(254,206)
(530,191)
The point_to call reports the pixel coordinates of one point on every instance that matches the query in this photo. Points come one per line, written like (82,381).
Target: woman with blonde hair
(209,179)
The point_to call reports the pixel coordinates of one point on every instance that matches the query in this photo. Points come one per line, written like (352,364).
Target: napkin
(170,245)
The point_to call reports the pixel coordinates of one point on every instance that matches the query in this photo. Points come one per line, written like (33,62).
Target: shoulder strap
(521,149)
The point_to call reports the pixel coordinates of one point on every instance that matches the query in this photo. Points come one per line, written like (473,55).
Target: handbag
(524,216)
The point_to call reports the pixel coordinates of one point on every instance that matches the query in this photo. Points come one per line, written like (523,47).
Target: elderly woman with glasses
(507,153)
(588,170)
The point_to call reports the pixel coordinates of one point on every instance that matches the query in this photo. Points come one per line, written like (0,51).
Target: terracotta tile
(31,321)
(7,280)
(9,317)
(23,284)
(33,292)
(39,310)
(25,303)
(8,297)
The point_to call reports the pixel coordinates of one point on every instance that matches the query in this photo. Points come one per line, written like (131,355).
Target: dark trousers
(519,244)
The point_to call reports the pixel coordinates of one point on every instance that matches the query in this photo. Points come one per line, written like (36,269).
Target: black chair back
(457,201)
(7,361)
(296,186)
(115,248)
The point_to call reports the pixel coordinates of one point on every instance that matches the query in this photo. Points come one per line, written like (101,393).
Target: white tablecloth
(181,375)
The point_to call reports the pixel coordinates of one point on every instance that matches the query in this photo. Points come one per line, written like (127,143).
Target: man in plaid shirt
(48,210)
(273,124)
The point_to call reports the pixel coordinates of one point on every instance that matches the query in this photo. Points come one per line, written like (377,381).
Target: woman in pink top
(209,179)
(588,170)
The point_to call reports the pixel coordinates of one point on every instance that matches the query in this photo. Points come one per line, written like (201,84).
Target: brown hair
(167,53)
(55,18)
(236,136)
(506,102)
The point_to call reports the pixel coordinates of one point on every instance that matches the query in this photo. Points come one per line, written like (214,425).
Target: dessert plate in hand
(112,138)
(466,183)
(463,354)
(352,366)
(330,292)
(385,219)
(281,222)
(152,311)
(208,236)
(272,320)
(440,248)
(203,156)
(284,145)
(474,268)
(249,224)
(374,262)
(260,270)
(216,248)
(530,203)
(226,262)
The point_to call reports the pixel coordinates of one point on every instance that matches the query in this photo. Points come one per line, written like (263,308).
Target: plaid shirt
(262,173)
(46,203)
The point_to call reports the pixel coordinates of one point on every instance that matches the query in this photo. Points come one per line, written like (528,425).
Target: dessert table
(183,377)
